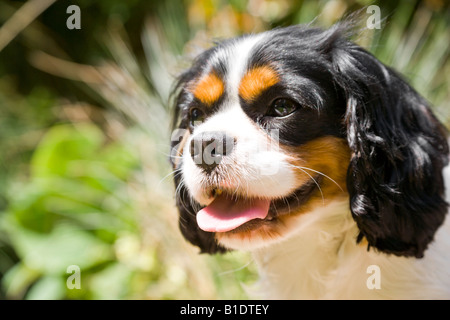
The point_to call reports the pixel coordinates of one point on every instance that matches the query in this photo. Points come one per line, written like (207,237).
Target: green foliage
(71,209)
(84,176)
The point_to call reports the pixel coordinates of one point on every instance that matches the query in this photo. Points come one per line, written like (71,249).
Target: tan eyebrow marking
(209,88)
(255,81)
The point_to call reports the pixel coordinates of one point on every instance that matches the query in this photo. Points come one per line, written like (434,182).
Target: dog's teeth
(218,192)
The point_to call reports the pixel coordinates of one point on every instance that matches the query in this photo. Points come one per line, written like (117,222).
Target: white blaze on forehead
(236,58)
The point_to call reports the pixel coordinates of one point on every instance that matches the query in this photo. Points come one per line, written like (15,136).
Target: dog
(298,145)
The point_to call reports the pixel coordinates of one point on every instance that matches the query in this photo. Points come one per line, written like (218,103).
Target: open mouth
(233,213)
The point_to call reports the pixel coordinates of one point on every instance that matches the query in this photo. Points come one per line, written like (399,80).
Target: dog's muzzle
(208,149)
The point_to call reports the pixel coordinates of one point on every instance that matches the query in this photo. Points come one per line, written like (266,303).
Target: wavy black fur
(395,180)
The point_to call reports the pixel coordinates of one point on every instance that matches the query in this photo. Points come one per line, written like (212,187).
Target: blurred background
(85,132)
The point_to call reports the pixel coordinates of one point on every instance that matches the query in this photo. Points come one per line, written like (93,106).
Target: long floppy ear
(399,150)
(187,206)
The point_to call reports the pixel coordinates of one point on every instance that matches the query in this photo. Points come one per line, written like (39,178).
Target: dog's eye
(196,116)
(282,107)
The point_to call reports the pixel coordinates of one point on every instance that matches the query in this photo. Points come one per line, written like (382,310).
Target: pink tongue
(225,214)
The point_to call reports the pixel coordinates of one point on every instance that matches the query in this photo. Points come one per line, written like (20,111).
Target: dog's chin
(268,227)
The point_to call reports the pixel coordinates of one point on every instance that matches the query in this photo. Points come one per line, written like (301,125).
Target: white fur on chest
(322,261)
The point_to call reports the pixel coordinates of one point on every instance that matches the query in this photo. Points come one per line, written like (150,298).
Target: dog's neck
(299,266)
(323,261)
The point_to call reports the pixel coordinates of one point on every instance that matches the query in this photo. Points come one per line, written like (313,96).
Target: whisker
(287,202)
(175,172)
(237,269)
(172,156)
(195,205)
(177,154)
(321,173)
(276,210)
(298,200)
(315,181)
(178,193)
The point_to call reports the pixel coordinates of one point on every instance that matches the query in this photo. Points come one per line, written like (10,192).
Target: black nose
(208,148)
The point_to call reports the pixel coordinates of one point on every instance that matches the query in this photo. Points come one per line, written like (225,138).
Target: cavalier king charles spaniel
(301,147)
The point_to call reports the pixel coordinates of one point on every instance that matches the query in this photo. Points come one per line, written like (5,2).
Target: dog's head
(274,125)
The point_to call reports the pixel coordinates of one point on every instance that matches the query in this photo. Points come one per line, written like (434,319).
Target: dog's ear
(399,150)
(187,206)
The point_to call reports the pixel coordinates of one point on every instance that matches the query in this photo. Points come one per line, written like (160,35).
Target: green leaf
(17,280)
(63,144)
(47,288)
(111,283)
(65,245)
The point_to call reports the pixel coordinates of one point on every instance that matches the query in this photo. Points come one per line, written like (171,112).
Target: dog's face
(272,126)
